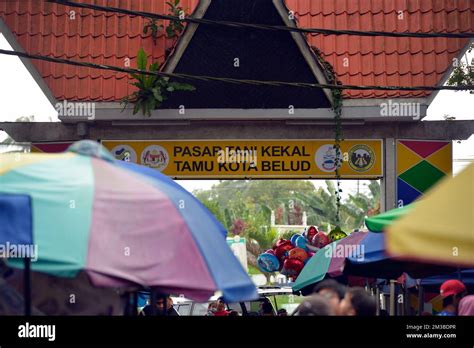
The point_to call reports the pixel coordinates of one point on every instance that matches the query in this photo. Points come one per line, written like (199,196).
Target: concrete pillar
(305,219)
(389,181)
(272,219)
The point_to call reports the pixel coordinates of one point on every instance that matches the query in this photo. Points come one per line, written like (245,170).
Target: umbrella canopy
(379,222)
(360,254)
(440,228)
(374,262)
(328,261)
(433,283)
(121,223)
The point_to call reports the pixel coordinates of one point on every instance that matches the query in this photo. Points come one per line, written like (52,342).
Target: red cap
(452,287)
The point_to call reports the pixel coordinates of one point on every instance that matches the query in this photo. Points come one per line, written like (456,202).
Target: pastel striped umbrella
(121,223)
(328,261)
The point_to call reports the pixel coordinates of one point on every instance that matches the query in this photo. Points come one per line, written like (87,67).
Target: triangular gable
(246,54)
(12,41)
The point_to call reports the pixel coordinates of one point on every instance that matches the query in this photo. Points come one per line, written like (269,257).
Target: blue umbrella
(373,262)
(433,283)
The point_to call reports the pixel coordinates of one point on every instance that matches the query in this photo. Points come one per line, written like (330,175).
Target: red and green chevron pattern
(420,165)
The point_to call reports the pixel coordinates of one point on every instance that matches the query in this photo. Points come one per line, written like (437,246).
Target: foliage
(463,73)
(289,234)
(173,29)
(152,89)
(265,239)
(251,202)
(238,226)
(154,28)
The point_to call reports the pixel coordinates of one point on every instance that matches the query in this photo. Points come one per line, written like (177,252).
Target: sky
(21,87)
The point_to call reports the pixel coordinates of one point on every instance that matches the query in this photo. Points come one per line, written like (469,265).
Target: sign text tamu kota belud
(253,158)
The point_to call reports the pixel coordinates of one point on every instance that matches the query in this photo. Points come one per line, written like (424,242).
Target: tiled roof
(107,38)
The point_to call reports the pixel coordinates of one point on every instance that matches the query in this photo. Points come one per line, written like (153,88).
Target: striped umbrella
(328,261)
(440,229)
(121,223)
(361,254)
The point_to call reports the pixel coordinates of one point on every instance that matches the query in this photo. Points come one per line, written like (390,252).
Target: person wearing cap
(452,292)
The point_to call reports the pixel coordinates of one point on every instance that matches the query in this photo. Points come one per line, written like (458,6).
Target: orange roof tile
(107,38)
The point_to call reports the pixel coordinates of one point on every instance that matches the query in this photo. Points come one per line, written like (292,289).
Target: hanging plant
(154,28)
(337,97)
(173,29)
(152,89)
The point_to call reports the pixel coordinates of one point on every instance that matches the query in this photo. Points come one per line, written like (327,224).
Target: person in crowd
(160,302)
(333,291)
(267,310)
(357,302)
(466,306)
(314,305)
(452,292)
(221,310)
(282,312)
(233,314)
(212,308)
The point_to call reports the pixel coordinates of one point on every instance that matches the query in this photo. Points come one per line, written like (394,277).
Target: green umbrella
(378,223)
(315,269)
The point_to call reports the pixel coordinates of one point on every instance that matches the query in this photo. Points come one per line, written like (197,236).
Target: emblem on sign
(156,157)
(124,153)
(326,158)
(361,158)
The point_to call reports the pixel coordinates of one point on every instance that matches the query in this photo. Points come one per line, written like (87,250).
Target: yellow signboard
(200,159)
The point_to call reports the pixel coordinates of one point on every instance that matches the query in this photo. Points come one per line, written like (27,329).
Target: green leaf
(170,32)
(139,85)
(136,108)
(152,104)
(154,67)
(157,95)
(176,2)
(170,89)
(181,86)
(142,59)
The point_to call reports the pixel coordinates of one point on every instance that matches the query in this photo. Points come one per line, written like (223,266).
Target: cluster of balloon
(290,256)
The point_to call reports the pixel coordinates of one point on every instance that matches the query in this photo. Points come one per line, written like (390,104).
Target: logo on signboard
(326,158)
(156,157)
(361,158)
(124,153)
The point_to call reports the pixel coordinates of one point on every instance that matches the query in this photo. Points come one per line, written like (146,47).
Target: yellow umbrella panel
(440,228)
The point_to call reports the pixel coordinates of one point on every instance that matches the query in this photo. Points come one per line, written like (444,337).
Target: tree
(463,72)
